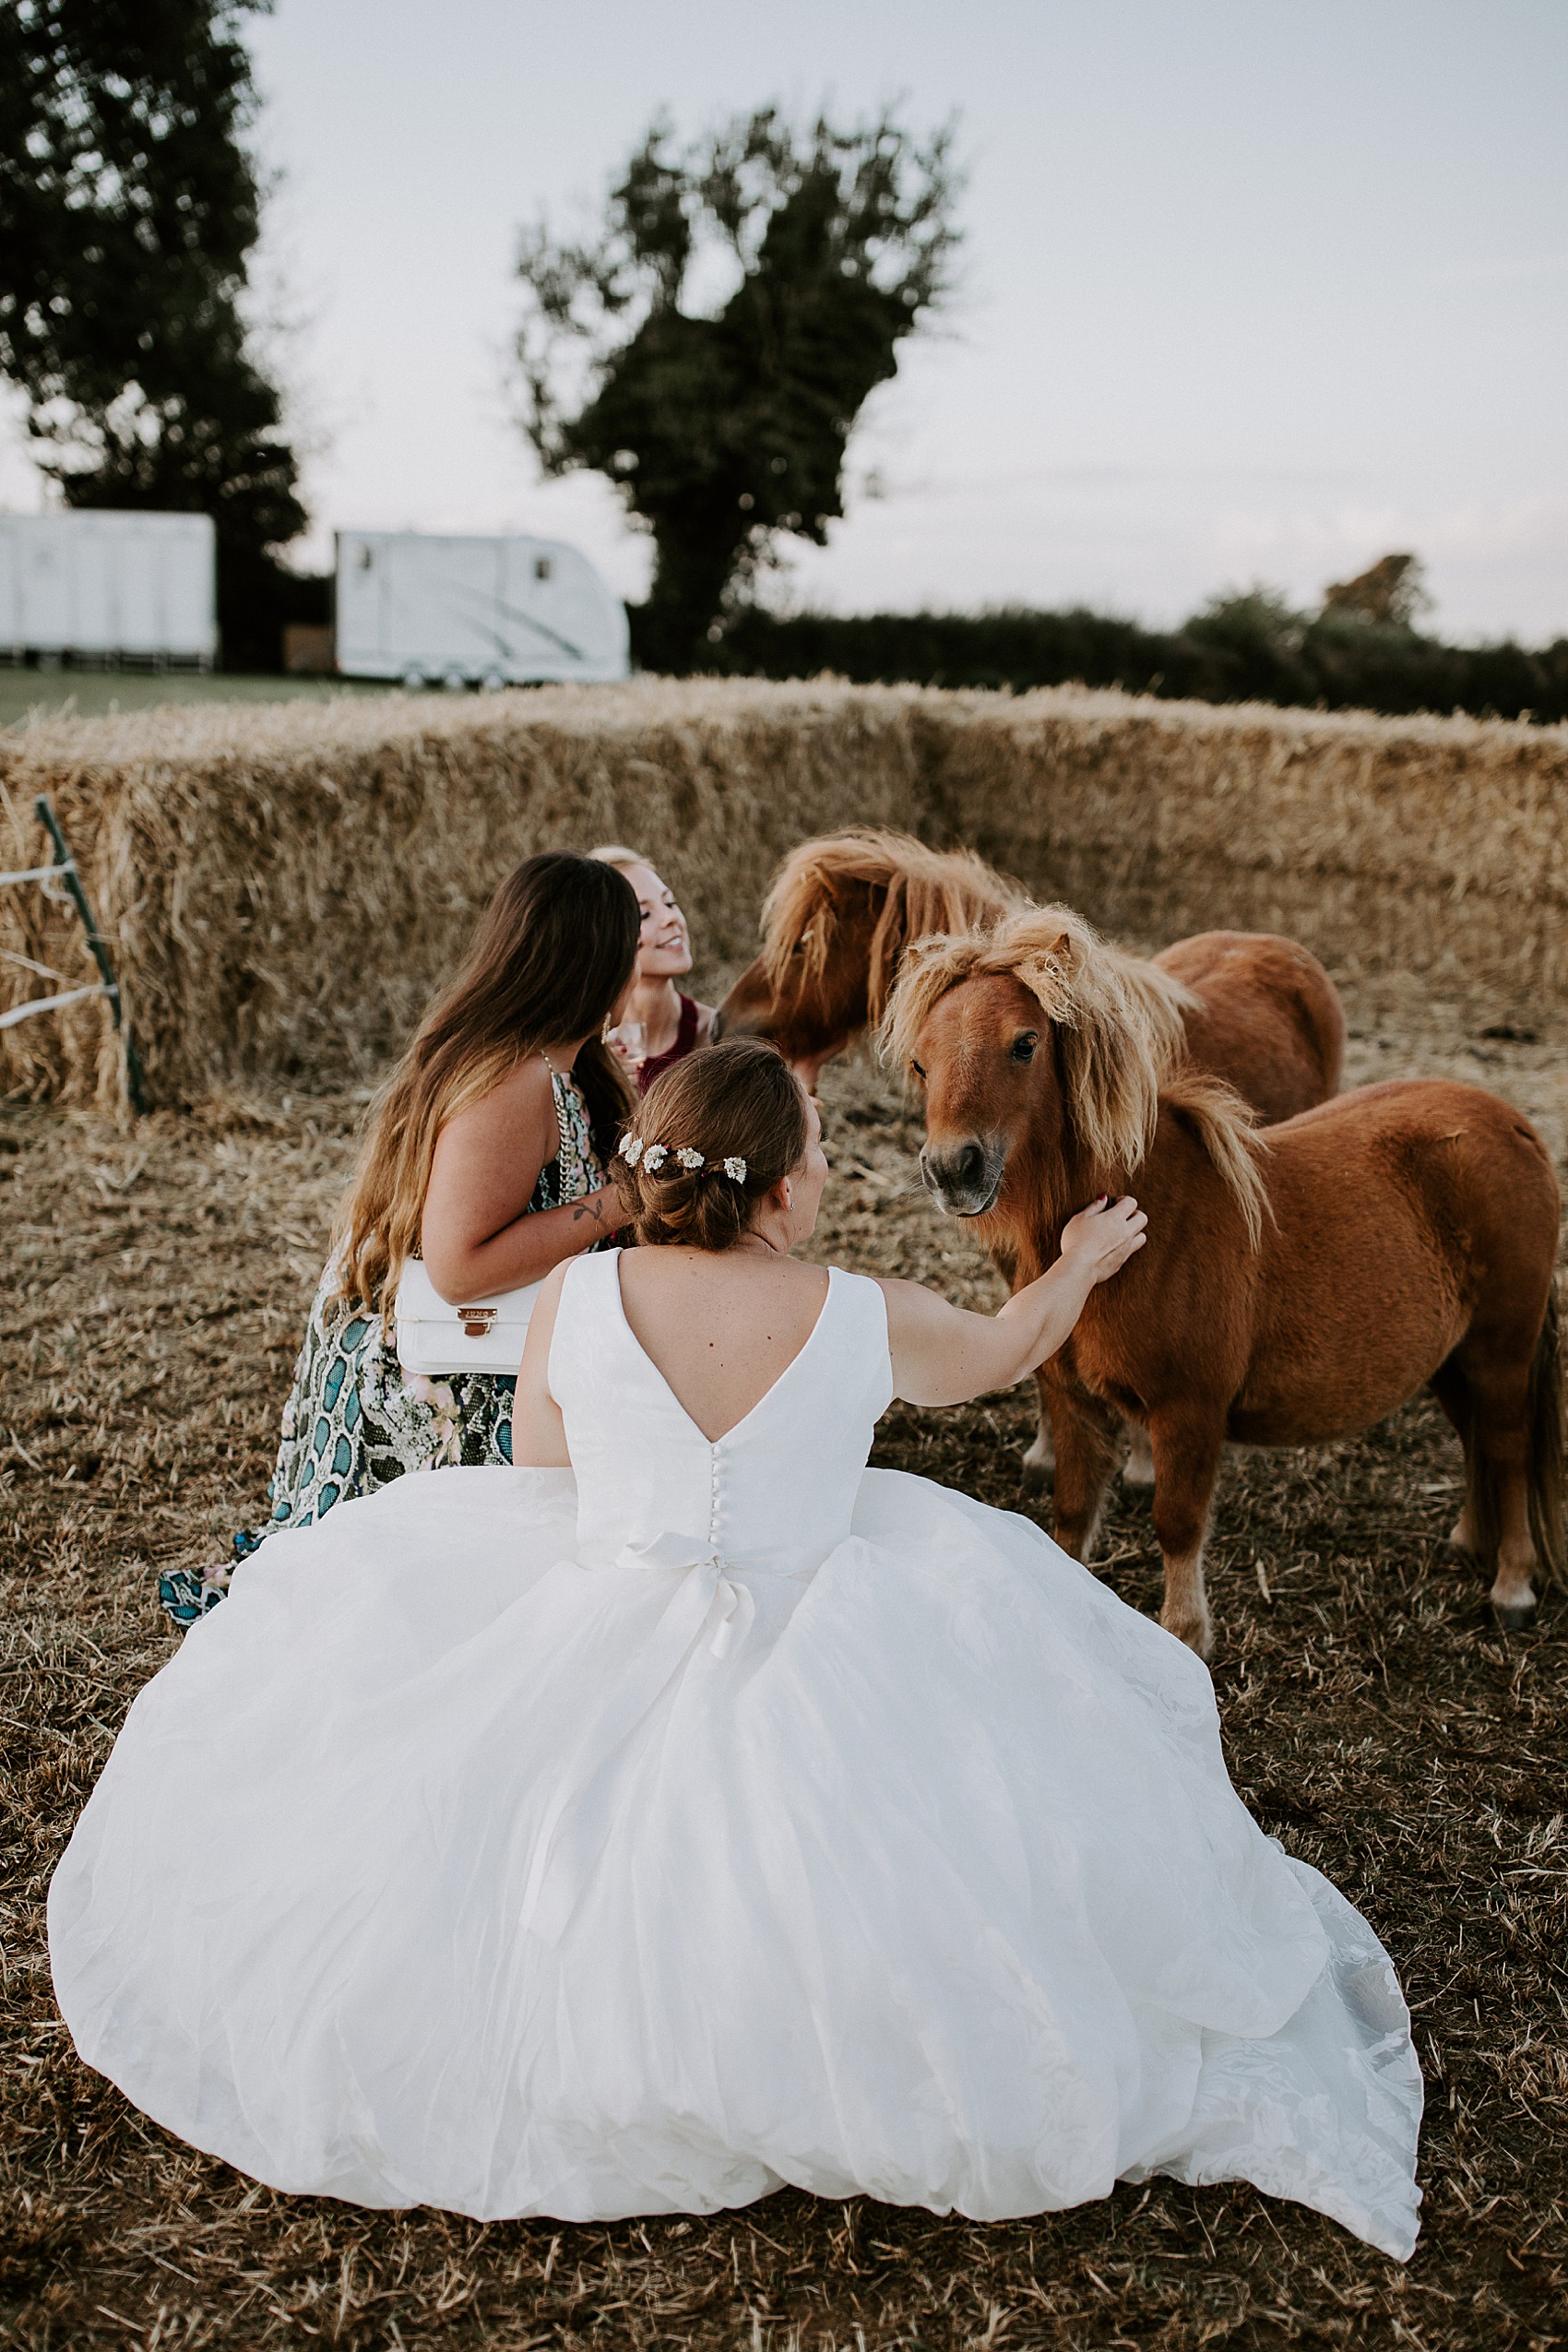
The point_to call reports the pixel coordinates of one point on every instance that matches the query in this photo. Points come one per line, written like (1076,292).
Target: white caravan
(106,587)
(428,610)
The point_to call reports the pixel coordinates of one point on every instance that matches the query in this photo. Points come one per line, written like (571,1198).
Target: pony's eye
(915,1067)
(1024,1046)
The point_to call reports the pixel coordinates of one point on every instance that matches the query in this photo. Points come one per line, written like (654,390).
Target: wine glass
(629,1040)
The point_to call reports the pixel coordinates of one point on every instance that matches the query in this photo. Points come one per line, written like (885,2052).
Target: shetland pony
(1256,1010)
(1259,1011)
(1294,1287)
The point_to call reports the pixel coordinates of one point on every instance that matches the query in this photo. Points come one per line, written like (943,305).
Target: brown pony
(1258,1011)
(1295,1287)
(839,913)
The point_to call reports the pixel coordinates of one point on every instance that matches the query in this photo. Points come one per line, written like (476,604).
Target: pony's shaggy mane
(924,890)
(1123,1041)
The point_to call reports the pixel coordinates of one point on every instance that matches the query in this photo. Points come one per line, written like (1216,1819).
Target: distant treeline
(1247,648)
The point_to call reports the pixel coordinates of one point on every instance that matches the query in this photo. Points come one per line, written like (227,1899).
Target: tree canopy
(1390,593)
(130,205)
(725,425)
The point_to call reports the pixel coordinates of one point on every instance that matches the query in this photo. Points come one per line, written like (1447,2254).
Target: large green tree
(724,423)
(129,205)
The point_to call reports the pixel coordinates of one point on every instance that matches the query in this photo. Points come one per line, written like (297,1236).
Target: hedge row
(1245,650)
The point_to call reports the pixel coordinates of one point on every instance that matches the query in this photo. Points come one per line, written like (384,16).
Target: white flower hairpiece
(653,1156)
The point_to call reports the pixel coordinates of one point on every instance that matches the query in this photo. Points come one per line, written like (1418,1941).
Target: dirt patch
(1375,1721)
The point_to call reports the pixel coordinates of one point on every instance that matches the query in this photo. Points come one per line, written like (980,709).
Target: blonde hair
(616,854)
(554,952)
(924,890)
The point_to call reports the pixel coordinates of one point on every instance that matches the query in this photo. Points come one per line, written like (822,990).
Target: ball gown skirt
(716,1817)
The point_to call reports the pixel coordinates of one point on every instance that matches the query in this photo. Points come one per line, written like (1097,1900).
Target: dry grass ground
(1377,1722)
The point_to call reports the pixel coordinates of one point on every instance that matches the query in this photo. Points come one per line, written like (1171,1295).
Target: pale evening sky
(1252,289)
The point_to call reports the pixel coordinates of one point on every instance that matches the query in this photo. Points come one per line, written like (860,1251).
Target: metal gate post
(64,865)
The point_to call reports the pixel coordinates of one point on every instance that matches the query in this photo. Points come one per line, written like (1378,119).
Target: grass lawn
(93,694)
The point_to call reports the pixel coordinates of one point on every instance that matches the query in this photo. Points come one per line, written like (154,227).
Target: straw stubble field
(1375,1720)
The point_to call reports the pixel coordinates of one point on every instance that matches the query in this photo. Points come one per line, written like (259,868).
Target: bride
(696,1810)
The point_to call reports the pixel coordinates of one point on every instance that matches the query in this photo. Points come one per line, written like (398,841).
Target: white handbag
(482,1335)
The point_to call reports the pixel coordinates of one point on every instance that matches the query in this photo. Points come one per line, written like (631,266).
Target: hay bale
(1414,845)
(282,885)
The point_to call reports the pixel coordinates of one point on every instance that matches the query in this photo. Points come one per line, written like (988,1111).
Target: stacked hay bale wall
(283,887)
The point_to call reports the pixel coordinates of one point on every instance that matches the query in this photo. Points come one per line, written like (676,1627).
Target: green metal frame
(65,867)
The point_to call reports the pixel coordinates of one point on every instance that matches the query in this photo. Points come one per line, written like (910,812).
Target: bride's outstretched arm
(944,1355)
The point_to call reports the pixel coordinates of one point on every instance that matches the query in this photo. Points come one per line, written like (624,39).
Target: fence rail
(62,871)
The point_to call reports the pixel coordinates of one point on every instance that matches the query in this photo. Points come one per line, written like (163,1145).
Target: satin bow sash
(578,1821)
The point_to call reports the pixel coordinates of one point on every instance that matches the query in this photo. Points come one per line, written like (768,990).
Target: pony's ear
(1049,971)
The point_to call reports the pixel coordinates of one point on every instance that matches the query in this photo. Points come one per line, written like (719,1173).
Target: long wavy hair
(553,953)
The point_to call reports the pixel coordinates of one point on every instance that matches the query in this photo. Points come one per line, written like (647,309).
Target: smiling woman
(659,1023)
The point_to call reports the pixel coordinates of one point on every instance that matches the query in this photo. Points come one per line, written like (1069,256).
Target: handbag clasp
(476,1321)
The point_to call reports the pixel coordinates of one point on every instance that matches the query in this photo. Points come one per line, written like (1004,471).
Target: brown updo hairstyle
(737,1100)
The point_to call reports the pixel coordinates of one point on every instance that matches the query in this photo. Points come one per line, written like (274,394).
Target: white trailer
(513,611)
(104,586)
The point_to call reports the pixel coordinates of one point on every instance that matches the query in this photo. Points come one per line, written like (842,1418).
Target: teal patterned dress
(355,1420)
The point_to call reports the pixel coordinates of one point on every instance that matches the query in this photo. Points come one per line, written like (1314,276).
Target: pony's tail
(1548,1476)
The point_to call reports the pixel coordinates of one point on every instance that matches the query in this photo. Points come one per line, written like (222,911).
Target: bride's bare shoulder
(669,1272)
(665,1260)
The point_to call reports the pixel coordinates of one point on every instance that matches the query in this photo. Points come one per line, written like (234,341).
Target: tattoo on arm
(589,1207)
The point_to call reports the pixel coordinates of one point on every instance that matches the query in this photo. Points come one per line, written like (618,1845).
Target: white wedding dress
(723,1816)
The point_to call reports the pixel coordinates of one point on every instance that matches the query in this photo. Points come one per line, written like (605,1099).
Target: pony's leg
(1088,1441)
(1138,1467)
(1448,1384)
(1502,1439)
(1513,1592)
(1041,1459)
(1186,1465)
(1490,1408)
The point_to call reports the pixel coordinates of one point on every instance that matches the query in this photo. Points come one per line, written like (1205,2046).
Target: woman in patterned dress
(673,1024)
(485,1155)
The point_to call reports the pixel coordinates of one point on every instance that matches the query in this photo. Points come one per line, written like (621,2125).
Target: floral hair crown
(653,1156)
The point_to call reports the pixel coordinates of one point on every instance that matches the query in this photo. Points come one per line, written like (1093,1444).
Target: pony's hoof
(1038,1465)
(1513,1616)
(1196,1632)
(1138,1467)
(1459,1537)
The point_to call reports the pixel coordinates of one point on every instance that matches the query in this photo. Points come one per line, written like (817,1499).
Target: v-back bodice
(777,1491)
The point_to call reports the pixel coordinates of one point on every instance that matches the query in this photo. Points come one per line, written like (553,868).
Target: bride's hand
(1103,1237)
(943,1355)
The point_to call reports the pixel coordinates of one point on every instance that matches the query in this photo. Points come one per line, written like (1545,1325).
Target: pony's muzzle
(964,1179)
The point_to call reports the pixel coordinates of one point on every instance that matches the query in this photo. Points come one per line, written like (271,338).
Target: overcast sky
(1252,290)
